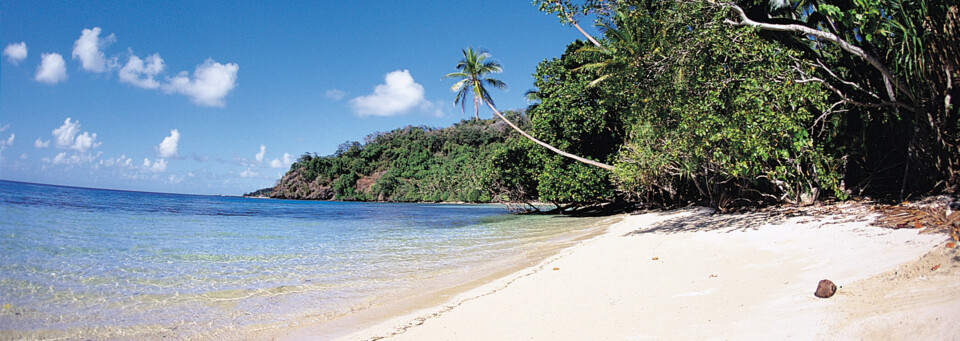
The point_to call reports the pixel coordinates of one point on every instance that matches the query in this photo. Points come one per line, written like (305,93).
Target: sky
(220,97)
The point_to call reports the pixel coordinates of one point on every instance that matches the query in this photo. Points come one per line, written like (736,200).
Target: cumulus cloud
(68,136)
(16,52)
(89,49)
(285,162)
(168,147)
(52,69)
(210,83)
(41,143)
(399,94)
(85,142)
(335,94)
(157,166)
(141,73)
(263,151)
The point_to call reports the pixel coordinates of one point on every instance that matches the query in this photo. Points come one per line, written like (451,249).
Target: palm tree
(473,70)
(623,47)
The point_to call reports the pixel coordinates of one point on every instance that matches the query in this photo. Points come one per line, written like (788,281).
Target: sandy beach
(688,274)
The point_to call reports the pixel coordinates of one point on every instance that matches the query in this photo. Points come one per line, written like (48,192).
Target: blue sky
(218,97)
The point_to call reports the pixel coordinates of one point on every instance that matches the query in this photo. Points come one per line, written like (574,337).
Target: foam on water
(85,263)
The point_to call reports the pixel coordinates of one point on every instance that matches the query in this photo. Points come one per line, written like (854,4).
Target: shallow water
(88,263)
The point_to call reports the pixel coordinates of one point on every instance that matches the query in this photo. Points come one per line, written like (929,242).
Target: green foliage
(410,164)
(511,172)
(580,118)
(719,114)
(905,134)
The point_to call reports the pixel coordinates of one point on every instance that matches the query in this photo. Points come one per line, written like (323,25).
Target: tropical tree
(891,68)
(474,68)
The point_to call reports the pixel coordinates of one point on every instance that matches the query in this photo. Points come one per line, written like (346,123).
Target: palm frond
(496,83)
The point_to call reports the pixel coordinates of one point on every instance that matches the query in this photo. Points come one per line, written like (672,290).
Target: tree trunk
(575,24)
(545,145)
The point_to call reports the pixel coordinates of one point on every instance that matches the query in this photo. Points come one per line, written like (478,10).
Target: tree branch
(855,50)
(845,99)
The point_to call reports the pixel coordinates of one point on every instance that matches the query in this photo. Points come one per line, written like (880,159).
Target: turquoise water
(88,263)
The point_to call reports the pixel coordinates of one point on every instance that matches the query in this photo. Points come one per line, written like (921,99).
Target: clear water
(87,263)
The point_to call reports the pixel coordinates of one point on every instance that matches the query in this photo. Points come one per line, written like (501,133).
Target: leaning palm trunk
(545,145)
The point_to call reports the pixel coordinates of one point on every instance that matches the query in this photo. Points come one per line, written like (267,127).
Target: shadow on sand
(705,219)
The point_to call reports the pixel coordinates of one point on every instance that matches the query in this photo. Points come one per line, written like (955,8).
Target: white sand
(715,277)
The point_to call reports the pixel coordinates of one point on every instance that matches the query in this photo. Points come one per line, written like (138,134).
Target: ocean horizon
(106,264)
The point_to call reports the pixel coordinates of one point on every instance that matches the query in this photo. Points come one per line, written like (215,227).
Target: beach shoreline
(689,274)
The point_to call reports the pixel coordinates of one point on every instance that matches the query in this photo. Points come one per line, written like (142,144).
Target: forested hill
(410,164)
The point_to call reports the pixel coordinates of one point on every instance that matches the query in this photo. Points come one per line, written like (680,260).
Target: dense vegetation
(687,101)
(410,164)
(774,101)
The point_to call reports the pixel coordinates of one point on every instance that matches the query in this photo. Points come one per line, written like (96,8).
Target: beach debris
(935,214)
(7,306)
(555,269)
(656,258)
(951,245)
(825,289)
(713,276)
(935,267)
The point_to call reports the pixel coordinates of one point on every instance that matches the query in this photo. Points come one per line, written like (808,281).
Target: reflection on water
(84,263)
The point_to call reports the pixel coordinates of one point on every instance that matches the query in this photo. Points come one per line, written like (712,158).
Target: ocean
(79,263)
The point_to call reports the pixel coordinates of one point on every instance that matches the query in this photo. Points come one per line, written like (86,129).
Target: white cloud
(397,95)
(23,156)
(168,147)
(157,166)
(249,174)
(211,82)
(8,142)
(263,151)
(73,159)
(68,136)
(335,94)
(57,159)
(141,73)
(88,48)
(85,142)
(41,143)
(16,52)
(277,163)
(121,161)
(52,69)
